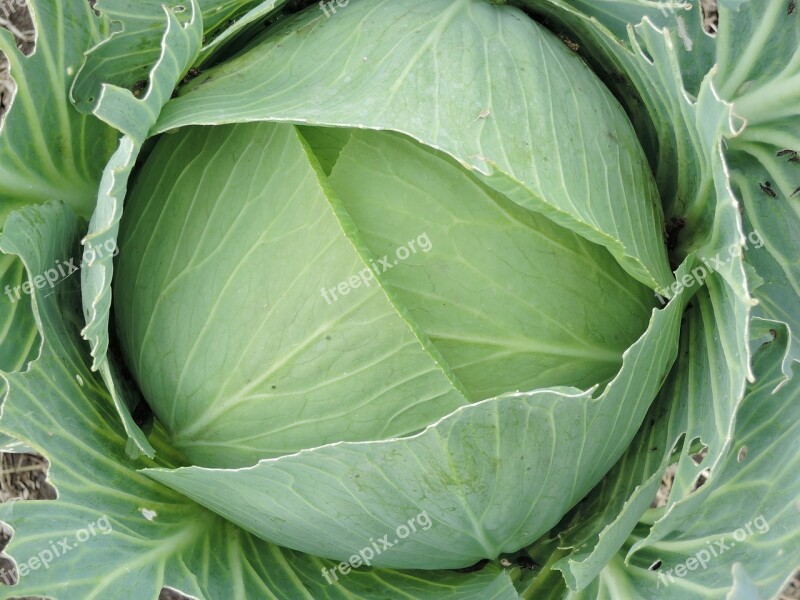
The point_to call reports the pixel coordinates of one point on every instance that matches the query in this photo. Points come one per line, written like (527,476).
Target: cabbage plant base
(607,544)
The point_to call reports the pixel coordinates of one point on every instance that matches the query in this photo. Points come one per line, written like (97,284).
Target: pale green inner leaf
(511,300)
(228,241)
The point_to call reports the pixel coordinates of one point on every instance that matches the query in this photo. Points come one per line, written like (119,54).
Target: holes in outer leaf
(662,495)
(742,454)
(140,88)
(655,566)
(7,86)
(701,478)
(8,573)
(710,16)
(667,480)
(24,476)
(664,489)
(703,475)
(16,17)
(700,456)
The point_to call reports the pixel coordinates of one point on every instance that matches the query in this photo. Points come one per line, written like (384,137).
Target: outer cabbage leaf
(777,221)
(123,111)
(706,556)
(341,495)
(686,414)
(686,134)
(145,535)
(47,149)
(10,445)
(761,82)
(742,539)
(643,68)
(308,69)
(745,26)
(694,46)
(695,404)
(126,57)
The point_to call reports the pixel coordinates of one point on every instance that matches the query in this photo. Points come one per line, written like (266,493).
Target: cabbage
(403,299)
